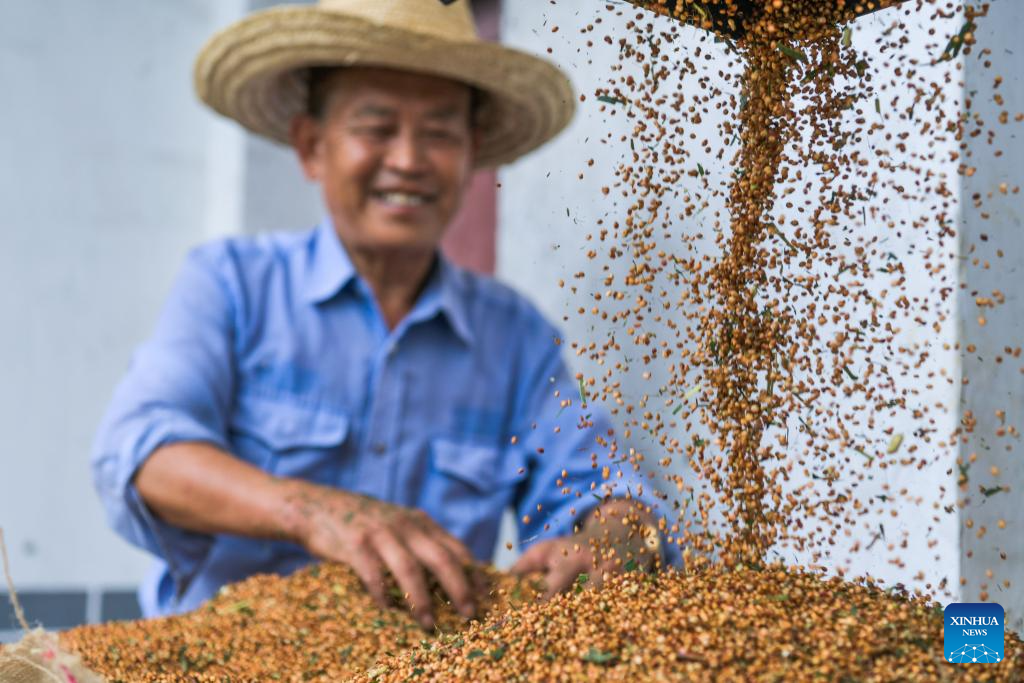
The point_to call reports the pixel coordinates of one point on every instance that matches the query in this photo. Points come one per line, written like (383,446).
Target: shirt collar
(455,298)
(330,269)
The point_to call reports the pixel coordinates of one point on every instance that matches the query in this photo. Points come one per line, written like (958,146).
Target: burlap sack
(37,658)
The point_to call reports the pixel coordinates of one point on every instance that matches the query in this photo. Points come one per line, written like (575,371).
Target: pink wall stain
(470,240)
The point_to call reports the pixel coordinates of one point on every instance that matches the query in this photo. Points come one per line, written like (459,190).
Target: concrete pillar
(992,260)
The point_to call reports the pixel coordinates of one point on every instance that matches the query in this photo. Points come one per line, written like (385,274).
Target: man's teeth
(402,198)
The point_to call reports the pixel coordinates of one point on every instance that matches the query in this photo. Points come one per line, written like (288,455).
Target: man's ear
(476,138)
(476,142)
(304,134)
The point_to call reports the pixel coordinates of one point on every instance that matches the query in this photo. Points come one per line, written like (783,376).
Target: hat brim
(253,72)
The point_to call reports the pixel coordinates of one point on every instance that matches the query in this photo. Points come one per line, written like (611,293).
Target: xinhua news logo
(974,633)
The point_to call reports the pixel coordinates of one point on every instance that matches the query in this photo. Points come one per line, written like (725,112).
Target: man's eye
(375,131)
(443,134)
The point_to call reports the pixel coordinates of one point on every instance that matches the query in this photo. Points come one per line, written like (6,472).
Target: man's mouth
(402,199)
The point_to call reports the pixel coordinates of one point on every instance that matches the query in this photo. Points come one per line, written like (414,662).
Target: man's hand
(197,486)
(370,536)
(611,537)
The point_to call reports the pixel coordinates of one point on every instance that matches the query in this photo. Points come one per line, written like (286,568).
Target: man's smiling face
(393,154)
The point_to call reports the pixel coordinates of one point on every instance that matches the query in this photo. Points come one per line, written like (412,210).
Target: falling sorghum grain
(778,264)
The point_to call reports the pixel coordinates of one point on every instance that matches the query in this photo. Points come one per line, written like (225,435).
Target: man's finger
(563,573)
(367,566)
(448,570)
(440,534)
(458,550)
(535,559)
(409,574)
(478,578)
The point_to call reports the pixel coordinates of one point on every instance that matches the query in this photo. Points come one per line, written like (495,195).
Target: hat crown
(430,17)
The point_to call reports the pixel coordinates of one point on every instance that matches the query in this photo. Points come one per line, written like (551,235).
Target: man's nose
(405,154)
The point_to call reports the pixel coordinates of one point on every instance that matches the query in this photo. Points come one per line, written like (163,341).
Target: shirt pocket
(478,467)
(469,486)
(291,439)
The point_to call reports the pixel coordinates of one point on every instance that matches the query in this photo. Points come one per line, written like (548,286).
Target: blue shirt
(273,349)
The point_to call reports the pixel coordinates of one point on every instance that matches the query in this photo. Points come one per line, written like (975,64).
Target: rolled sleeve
(177,388)
(568,447)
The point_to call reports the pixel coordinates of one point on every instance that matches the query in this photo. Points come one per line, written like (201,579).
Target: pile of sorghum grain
(769,624)
(318,624)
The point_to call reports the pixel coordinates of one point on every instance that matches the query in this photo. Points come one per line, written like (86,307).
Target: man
(345,393)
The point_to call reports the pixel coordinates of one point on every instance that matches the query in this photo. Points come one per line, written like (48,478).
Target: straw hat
(255,71)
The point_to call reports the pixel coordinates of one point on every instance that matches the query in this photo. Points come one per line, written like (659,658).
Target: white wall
(111,171)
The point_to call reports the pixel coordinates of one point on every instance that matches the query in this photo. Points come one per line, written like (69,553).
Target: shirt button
(379,448)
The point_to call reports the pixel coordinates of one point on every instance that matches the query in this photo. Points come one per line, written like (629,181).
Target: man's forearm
(198,487)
